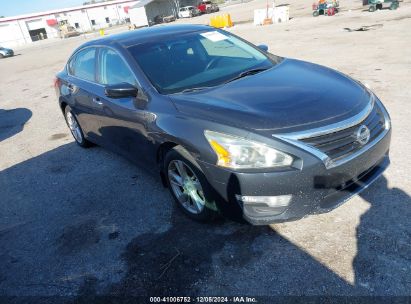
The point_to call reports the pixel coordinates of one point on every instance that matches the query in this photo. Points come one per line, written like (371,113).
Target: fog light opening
(268,201)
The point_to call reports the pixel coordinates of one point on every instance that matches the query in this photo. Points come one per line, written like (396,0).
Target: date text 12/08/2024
(238,299)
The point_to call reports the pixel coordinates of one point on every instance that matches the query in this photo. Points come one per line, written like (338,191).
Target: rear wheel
(1,56)
(75,128)
(371,8)
(188,185)
(316,13)
(394,6)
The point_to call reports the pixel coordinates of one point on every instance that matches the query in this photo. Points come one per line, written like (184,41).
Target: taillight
(57,83)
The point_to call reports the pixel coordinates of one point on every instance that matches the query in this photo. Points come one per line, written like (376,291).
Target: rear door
(79,87)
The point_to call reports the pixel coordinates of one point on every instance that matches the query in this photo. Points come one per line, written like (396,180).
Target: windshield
(197,60)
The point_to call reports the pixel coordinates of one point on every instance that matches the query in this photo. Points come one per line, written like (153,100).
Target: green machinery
(378,4)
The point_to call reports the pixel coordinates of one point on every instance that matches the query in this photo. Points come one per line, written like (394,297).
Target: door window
(113,69)
(83,65)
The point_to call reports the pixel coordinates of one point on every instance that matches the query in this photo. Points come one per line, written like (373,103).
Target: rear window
(83,65)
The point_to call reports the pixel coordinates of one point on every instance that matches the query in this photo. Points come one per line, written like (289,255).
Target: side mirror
(121,90)
(263,47)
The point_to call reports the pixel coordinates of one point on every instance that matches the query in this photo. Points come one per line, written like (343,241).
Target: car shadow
(86,222)
(7,57)
(383,262)
(13,121)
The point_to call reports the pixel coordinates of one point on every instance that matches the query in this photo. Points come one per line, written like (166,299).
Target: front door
(123,123)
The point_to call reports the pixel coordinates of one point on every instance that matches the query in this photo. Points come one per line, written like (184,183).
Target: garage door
(35,24)
(6,33)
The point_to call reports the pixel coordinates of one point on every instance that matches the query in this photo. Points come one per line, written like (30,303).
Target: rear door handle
(97,101)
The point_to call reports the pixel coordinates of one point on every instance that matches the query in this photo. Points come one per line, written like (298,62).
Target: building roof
(141,3)
(63,10)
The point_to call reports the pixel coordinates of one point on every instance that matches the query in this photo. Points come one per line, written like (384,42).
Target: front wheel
(188,185)
(1,56)
(75,128)
(394,6)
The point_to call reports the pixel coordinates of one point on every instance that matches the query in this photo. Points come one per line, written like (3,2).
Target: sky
(17,7)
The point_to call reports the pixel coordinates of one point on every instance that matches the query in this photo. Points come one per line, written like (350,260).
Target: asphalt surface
(76,222)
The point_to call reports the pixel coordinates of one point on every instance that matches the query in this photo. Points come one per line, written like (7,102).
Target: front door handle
(97,101)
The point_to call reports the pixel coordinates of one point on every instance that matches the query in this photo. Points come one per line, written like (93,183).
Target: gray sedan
(5,52)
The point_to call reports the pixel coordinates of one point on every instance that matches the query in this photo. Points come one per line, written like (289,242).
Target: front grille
(340,144)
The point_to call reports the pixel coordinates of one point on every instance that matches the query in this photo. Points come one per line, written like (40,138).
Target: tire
(371,8)
(183,175)
(75,128)
(379,6)
(316,13)
(1,56)
(394,6)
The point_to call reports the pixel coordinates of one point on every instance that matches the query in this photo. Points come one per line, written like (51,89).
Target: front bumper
(313,189)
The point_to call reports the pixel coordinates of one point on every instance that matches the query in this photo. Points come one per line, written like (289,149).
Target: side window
(83,65)
(113,69)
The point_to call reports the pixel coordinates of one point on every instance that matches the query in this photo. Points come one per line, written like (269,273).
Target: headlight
(240,153)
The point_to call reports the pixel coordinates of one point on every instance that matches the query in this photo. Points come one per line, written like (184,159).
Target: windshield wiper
(241,75)
(247,73)
(194,89)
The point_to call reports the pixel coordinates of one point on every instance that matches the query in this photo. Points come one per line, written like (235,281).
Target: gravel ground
(83,222)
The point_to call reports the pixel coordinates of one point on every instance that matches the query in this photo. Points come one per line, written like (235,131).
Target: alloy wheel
(74,127)
(186,186)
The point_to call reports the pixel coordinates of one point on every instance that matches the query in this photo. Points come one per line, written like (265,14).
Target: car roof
(134,37)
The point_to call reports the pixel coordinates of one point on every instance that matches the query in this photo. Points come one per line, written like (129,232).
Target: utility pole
(89,22)
(21,30)
(118,14)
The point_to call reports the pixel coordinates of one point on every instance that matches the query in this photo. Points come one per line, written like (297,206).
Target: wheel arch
(161,153)
(63,106)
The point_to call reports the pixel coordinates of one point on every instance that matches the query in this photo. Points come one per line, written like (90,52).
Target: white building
(144,12)
(22,29)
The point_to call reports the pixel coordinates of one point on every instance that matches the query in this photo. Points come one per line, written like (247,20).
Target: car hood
(292,96)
